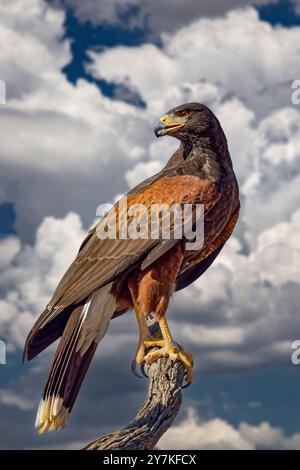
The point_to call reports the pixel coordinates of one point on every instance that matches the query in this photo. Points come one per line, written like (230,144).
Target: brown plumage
(110,276)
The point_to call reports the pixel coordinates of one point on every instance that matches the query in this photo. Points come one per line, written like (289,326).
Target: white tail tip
(51,414)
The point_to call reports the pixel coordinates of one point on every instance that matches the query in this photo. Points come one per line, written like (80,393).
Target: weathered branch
(155,416)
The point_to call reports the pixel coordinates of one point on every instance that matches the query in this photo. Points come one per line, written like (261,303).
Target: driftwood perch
(155,416)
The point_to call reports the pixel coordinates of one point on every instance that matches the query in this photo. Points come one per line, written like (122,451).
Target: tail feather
(84,329)
(41,336)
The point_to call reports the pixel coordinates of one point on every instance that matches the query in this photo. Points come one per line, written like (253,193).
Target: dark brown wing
(101,261)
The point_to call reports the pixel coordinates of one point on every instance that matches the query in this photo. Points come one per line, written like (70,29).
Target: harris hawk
(112,275)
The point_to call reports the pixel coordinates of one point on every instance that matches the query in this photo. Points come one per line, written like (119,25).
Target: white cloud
(33,272)
(271,190)
(142,171)
(266,436)
(10,398)
(192,433)
(30,33)
(9,247)
(74,147)
(217,434)
(243,311)
(60,142)
(248,87)
(255,62)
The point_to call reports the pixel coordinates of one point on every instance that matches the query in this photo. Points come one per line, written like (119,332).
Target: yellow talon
(140,353)
(143,345)
(187,360)
(174,352)
(154,342)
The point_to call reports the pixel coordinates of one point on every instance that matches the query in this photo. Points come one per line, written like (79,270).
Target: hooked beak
(167,124)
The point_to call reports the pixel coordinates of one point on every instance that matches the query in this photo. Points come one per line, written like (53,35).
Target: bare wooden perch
(155,416)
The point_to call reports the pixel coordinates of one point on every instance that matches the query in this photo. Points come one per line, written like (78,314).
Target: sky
(85,82)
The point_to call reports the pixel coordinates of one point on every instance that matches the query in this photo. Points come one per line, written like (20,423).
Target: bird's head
(186,122)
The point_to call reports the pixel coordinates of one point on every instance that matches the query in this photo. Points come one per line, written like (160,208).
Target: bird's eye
(184,114)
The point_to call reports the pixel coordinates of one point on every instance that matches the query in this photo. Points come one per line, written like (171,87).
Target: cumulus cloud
(256,62)
(35,39)
(217,434)
(74,146)
(243,311)
(250,93)
(32,273)
(271,190)
(66,137)
(9,247)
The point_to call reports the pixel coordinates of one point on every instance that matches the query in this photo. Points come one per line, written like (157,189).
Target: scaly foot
(140,355)
(175,353)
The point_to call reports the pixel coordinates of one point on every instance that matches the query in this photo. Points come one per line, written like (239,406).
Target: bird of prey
(112,275)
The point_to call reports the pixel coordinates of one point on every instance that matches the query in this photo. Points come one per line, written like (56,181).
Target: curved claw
(186,385)
(143,370)
(135,371)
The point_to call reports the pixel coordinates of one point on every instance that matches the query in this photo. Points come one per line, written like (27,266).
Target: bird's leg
(150,334)
(171,349)
(153,290)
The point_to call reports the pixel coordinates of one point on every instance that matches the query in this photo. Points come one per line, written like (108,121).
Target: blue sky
(96,63)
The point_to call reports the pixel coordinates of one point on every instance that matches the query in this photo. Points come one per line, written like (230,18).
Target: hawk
(113,275)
